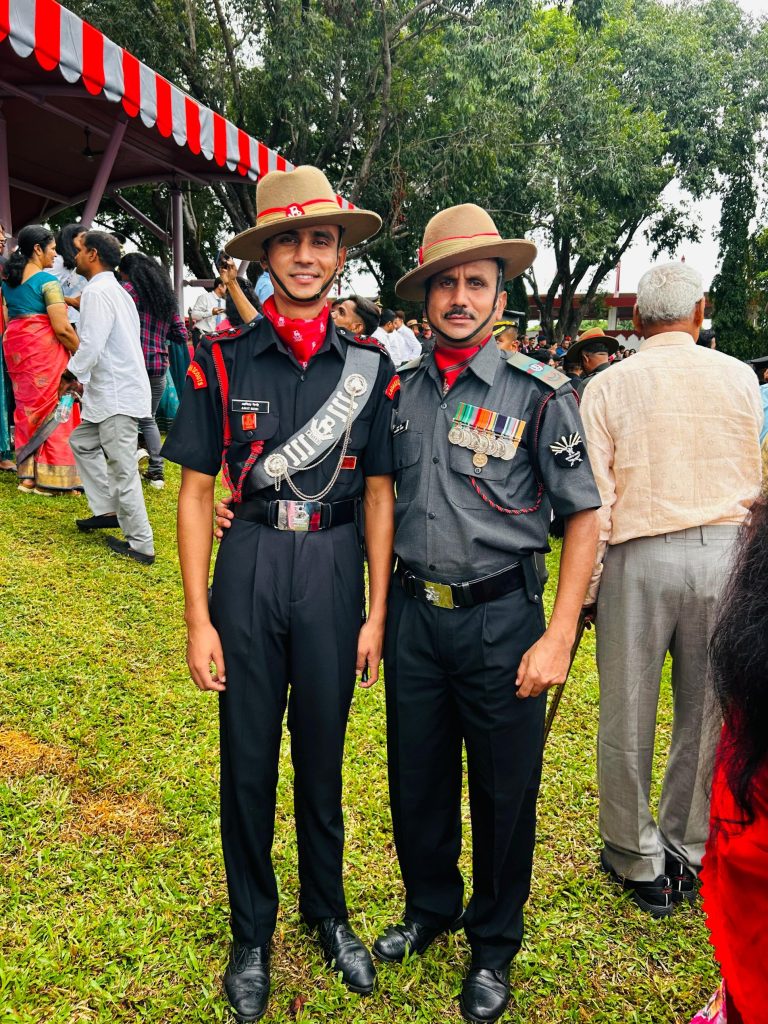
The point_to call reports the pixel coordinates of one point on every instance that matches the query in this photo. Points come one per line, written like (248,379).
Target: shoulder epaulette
(540,371)
(360,339)
(229,333)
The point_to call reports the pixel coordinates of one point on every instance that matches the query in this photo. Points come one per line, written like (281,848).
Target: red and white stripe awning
(59,39)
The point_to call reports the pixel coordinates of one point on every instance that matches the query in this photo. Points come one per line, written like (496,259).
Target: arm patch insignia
(393,387)
(196,375)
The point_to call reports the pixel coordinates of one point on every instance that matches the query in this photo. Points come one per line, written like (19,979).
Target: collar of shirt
(266,336)
(668,338)
(484,365)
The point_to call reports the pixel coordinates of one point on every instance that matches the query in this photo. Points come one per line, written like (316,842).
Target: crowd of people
(313,408)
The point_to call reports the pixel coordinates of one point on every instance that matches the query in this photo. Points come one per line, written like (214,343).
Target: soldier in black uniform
(485,446)
(297,415)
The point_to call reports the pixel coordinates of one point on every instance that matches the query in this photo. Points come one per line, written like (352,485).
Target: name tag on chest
(249,405)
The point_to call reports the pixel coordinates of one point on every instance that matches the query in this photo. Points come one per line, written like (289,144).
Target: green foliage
(113,898)
(565,120)
(730,291)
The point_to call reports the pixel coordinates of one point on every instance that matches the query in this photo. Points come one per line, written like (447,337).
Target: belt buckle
(439,594)
(297,515)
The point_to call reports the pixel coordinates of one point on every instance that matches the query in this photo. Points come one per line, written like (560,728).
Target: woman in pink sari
(37,345)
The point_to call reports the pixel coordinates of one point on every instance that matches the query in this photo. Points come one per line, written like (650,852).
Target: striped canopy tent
(81,118)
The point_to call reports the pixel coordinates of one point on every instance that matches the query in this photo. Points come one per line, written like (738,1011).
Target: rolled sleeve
(601,452)
(568,480)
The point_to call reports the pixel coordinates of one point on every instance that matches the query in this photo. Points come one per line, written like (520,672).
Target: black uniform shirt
(261,369)
(446,529)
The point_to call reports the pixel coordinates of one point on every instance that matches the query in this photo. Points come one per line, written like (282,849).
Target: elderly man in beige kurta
(673,438)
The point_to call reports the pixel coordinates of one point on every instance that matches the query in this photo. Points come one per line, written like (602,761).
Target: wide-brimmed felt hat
(594,334)
(463,234)
(299,198)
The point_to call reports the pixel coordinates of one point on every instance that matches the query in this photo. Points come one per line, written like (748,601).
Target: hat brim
(517,254)
(358,225)
(576,348)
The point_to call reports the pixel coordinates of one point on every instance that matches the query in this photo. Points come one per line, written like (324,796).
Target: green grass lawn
(112,896)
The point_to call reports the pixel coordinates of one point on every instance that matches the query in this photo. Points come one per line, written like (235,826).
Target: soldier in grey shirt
(485,448)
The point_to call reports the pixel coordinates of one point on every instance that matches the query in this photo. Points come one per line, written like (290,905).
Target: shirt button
(430,515)
(478,471)
(443,405)
(435,459)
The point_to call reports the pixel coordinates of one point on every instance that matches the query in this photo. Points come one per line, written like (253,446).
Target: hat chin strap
(467,338)
(295,298)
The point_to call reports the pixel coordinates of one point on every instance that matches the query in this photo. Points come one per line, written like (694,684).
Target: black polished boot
(246,981)
(346,954)
(484,995)
(406,938)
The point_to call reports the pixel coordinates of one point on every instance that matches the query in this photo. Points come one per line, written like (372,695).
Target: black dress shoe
(484,995)
(246,981)
(682,881)
(408,937)
(122,547)
(655,897)
(97,523)
(346,954)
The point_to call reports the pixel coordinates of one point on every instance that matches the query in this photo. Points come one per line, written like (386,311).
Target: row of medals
(484,443)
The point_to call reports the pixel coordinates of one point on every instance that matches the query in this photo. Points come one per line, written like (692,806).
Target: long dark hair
(739,656)
(29,237)
(152,284)
(65,243)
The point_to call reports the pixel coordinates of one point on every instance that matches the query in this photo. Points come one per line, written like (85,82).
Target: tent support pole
(102,175)
(5,181)
(177,233)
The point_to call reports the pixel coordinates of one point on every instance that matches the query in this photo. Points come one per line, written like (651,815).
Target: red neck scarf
(451,362)
(302,337)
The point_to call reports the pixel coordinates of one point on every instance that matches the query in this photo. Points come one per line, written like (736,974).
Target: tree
(619,115)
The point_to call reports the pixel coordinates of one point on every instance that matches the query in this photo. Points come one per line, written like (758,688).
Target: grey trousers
(148,426)
(105,455)
(657,594)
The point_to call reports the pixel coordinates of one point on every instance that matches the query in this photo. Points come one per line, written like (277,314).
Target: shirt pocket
(508,483)
(245,431)
(407,448)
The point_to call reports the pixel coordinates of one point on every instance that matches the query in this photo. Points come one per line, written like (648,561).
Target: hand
(369,645)
(69,383)
(589,611)
(204,647)
(228,272)
(224,517)
(544,665)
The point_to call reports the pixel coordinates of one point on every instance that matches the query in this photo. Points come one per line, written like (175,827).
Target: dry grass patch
(21,755)
(112,814)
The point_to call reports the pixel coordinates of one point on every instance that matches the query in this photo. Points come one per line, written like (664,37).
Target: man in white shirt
(673,439)
(207,307)
(386,334)
(410,347)
(108,371)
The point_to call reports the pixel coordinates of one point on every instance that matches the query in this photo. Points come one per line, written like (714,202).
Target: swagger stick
(585,622)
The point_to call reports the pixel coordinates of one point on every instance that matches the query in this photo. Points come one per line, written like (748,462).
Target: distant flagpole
(617,284)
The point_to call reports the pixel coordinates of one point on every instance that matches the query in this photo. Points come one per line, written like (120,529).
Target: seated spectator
(207,309)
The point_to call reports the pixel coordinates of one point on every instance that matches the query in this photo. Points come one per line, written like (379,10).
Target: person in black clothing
(593,349)
(297,415)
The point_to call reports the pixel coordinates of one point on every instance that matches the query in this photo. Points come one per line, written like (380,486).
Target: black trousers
(288,609)
(450,678)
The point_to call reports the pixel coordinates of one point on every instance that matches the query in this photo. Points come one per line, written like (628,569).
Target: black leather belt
(462,595)
(298,516)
